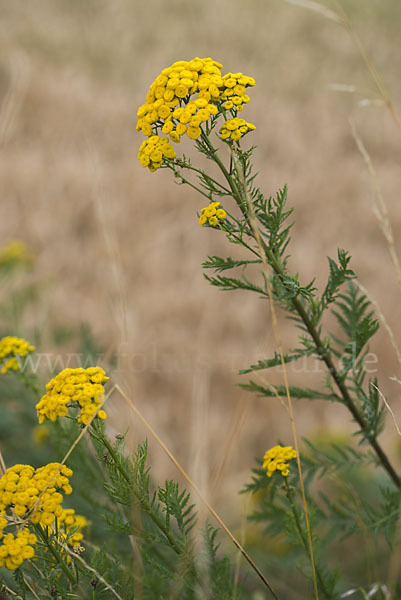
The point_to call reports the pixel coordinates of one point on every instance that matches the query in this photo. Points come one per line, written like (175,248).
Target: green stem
(187,182)
(200,172)
(145,504)
(31,382)
(237,237)
(55,553)
(348,401)
(323,353)
(301,532)
(215,157)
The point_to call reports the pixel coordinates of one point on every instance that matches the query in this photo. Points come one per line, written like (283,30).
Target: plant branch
(323,353)
(55,553)
(145,504)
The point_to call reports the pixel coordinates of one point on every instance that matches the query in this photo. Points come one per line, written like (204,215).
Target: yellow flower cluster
(67,521)
(14,550)
(33,494)
(152,151)
(34,491)
(212,214)
(276,459)
(184,96)
(234,93)
(14,253)
(10,348)
(84,387)
(173,88)
(235,128)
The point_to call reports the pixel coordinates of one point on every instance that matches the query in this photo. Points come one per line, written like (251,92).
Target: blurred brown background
(121,249)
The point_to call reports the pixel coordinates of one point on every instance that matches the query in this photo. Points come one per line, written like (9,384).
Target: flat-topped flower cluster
(276,459)
(29,495)
(74,387)
(26,489)
(212,214)
(182,98)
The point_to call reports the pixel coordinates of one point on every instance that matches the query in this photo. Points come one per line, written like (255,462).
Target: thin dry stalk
(379,204)
(193,485)
(342,18)
(3,467)
(238,420)
(266,274)
(387,405)
(14,97)
(92,570)
(199,428)
(14,594)
(111,248)
(394,568)
(244,513)
(383,91)
(317,8)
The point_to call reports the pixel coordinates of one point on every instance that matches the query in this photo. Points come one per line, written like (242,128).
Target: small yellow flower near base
(276,459)
(212,214)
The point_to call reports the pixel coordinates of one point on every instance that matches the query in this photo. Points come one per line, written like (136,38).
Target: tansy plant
(122,536)
(195,99)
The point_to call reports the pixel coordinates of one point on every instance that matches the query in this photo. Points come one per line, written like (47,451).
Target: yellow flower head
(153,150)
(184,97)
(234,129)
(31,494)
(82,388)
(15,253)
(212,214)
(67,521)
(276,459)
(15,549)
(233,94)
(169,104)
(12,349)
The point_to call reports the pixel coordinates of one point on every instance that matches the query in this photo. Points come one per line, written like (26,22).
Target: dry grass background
(121,249)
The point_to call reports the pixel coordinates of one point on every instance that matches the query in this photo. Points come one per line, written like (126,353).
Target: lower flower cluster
(276,459)
(33,495)
(15,549)
(35,491)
